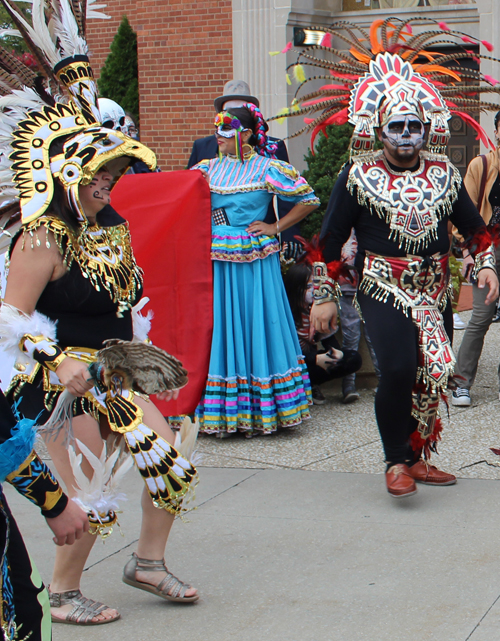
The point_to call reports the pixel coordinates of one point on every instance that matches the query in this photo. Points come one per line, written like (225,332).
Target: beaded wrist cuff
(326,290)
(484,260)
(44,350)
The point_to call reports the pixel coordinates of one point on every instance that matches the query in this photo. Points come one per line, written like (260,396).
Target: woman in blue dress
(257,379)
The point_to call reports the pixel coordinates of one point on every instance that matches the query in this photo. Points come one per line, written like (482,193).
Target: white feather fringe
(14,324)
(141,324)
(100,494)
(60,419)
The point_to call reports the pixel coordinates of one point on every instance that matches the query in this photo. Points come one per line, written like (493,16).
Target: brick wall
(185,57)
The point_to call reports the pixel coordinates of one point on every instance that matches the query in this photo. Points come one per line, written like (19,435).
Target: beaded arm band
(44,350)
(29,338)
(484,260)
(326,289)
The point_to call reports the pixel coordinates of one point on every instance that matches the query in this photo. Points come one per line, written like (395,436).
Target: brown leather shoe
(399,481)
(427,474)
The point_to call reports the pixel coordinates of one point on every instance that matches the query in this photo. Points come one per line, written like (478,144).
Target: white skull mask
(113,116)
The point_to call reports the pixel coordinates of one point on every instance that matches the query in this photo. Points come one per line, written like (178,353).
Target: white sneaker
(461,397)
(458,323)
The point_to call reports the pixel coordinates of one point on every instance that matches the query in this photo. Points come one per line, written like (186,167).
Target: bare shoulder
(37,246)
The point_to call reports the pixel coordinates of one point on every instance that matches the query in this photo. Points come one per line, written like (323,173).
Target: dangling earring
(248,151)
(239,150)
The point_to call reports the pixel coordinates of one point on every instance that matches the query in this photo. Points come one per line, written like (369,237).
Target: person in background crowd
(482,181)
(236,93)
(116,118)
(329,361)
(132,130)
(350,321)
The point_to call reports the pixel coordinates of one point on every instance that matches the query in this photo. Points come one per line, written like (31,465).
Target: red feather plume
(314,254)
(482,239)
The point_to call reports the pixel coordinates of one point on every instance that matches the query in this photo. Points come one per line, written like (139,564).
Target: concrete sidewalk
(295,538)
(304,556)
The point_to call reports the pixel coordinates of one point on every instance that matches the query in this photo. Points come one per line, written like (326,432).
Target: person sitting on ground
(350,321)
(326,363)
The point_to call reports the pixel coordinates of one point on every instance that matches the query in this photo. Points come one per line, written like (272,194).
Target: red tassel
(313,248)
(336,268)
(340,118)
(481,134)
(429,445)
(327,40)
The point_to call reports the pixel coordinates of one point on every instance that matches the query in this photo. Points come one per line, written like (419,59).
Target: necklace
(104,255)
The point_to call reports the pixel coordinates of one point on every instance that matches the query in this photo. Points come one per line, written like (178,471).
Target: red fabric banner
(169,217)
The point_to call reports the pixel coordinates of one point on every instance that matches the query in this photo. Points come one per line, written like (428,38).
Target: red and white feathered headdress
(390,71)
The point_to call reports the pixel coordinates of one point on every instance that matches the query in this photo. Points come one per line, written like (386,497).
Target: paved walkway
(285,545)
(344,438)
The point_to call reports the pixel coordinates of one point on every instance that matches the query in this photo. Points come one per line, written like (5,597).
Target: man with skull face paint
(399,201)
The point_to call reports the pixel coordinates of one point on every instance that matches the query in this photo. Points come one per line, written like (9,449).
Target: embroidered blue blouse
(244,190)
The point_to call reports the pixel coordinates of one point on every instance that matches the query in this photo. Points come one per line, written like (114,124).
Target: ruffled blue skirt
(257,378)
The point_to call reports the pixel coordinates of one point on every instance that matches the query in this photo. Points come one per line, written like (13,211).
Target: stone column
(489,25)
(260,26)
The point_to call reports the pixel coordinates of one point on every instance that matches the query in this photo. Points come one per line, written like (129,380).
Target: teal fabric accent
(17,448)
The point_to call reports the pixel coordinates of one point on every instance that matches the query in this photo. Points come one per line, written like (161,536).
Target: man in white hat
(236,93)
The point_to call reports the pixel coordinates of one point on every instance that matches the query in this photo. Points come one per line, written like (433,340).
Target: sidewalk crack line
(483,617)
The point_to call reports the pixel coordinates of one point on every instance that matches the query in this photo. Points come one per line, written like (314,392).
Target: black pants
(395,341)
(349,364)
(27,597)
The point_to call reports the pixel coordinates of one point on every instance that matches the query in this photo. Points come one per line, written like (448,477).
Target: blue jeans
(351,335)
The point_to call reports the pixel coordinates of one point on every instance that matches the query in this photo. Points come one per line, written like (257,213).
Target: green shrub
(331,153)
(119,79)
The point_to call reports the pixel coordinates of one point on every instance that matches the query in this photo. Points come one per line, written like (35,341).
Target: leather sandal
(84,609)
(170,588)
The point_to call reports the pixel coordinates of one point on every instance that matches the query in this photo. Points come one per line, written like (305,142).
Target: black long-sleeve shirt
(373,233)
(33,479)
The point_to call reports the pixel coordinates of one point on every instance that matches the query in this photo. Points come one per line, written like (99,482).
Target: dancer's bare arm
(34,263)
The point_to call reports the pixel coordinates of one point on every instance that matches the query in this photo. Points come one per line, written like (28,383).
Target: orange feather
(375,42)
(437,69)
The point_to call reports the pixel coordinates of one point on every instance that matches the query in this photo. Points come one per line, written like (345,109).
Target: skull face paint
(401,132)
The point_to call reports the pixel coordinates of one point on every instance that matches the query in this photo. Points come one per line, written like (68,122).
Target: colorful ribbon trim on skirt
(235,245)
(419,287)
(260,405)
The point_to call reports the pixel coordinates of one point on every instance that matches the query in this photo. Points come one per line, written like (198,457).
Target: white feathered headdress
(50,125)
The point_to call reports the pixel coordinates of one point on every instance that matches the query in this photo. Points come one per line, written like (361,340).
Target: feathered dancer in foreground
(73,284)
(393,84)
